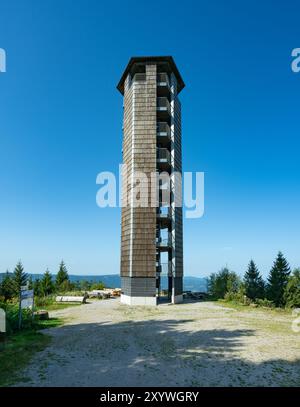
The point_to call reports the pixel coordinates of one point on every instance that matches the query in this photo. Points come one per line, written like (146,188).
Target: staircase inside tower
(164,272)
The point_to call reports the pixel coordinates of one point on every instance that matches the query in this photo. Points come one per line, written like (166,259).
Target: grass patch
(270,320)
(17,350)
(241,307)
(233,305)
(49,323)
(57,306)
(49,304)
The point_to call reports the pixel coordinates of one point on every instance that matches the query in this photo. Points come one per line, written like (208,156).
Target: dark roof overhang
(158,59)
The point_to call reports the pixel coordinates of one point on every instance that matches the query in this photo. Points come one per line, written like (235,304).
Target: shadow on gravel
(160,353)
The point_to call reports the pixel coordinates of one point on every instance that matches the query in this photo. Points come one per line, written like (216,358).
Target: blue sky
(61,118)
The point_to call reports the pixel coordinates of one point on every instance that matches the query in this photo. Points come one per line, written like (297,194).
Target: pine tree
(211,284)
(30,283)
(277,280)
(19,278)
(37,287)
(254,284)
(47,286)
(6,287)
(62,275)
(292,290)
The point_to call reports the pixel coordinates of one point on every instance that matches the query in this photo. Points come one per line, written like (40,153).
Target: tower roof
(168,60)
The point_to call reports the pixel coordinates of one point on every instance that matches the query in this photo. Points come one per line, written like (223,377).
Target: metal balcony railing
(164,212)
(164,217)
(164,269)
(163,129)
(164,242)
(139,77)
(163,79)
(163,155)
(163,105)
(165,184)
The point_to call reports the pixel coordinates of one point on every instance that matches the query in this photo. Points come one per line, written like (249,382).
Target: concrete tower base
(146,301)
(177,299)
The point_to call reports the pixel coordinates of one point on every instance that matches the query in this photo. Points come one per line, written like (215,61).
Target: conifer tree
(62,275)
(30,283)
(292,290)
(6,287)
(277,280)
(254,284)
(19,278)
(37,287)
(47,286)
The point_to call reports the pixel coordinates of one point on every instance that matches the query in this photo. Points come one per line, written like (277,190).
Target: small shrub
(265,303)
(98,286)
(223,282)
(292,290)
(12,317)
(237,298)
(43,301)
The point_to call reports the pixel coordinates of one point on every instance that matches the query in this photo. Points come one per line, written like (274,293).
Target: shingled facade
(151,236)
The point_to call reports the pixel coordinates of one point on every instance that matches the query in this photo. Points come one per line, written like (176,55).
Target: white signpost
(2,321)
(26,301)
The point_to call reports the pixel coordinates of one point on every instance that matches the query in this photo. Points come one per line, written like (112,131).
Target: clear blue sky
(61,118)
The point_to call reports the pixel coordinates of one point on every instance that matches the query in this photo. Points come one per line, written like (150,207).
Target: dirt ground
(105,343)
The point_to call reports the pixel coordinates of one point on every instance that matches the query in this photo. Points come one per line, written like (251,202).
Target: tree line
(11,284)
(282,288)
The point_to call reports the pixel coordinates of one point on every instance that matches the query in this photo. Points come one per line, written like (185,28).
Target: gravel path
(105,343)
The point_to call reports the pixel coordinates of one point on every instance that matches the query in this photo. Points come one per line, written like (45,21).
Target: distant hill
(189,283)
(195,284)
(113,280)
